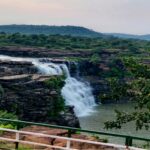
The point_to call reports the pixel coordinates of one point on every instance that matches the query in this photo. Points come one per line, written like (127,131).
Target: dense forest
(66,42)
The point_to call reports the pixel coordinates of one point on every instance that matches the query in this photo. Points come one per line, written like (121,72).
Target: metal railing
(68,141)
(19,124)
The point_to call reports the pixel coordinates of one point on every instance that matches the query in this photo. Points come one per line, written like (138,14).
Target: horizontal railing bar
(58,137)
(75,129)
(9,140)
(33,143)
(40,144)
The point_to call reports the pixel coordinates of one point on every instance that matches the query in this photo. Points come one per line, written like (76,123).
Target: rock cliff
(27,95)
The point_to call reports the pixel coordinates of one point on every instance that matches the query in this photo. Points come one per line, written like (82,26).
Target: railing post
(69,133)
(68,144)
(17,138)
(128,141)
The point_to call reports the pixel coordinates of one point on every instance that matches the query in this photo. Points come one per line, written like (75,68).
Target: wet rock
(69,117)
(15,68)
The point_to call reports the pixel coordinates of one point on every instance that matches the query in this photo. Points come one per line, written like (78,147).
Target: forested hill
(50,30)
(130,36)
(66,30)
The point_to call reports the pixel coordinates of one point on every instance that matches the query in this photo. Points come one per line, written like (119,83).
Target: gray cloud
(128,16)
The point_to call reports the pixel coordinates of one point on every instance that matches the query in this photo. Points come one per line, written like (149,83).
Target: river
(102,113)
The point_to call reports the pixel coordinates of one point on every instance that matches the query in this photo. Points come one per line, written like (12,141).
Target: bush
(6,124)
(57,106)
(95,59)
(56,82)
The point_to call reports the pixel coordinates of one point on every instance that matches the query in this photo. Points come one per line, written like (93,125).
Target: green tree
(95,59)
(139,91)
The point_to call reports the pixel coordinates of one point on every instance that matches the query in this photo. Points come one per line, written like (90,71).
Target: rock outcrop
(27,95)
(40,52)
(8,68)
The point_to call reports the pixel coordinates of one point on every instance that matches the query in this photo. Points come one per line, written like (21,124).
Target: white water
(76,93)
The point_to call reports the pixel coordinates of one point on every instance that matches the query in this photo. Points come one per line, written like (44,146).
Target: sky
(117,16)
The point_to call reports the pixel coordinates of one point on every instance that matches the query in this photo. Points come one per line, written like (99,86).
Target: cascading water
(76,93)
(79,95)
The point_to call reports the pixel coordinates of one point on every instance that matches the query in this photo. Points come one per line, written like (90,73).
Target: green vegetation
(55,84)
(128,77)
(146,146)
(6,115)
(137,89)
(6,145)
(137,69)
(118,90)
(24,148)
(67,42)
(95,59)
(57,107)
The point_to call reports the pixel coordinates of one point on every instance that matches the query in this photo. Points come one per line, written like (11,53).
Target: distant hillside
(66,30)
(130,36)
(52,30)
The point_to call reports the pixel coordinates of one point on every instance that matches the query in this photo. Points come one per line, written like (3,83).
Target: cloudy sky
(125,16)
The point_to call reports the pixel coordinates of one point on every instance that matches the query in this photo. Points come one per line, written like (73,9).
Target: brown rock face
(8,68)
(39,52)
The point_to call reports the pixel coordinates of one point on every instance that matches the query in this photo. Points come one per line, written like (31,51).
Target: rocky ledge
(39,52)
(10,68)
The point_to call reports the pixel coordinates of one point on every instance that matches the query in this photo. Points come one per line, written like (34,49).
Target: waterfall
(79,95)
(48,68)
(76,93)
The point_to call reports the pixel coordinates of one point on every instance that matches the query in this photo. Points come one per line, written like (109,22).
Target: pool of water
(104,113)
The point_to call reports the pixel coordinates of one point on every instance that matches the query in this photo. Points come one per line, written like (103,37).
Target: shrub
(95,59)
(6,124)
(57,106)
(56,82)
